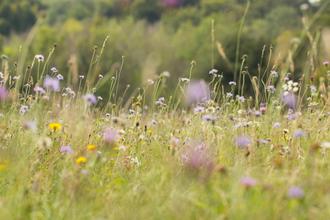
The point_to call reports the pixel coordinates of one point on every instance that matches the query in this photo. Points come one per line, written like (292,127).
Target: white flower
(326,144)
(295,89)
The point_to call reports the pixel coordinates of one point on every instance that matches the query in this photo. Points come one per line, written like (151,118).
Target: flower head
(110,135)
(326,63)
(89,99)
(39,90)
(91,147)
(299,133)
(54,70)
(313,88)
(248,181)
(295,192)
(31,125)
(55,126)
(52,84)
(232,83)
(66,149)
(81,159)
(242,141)
(40,58)
(3,93)
(196,92)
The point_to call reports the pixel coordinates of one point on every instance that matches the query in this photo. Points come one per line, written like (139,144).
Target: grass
(65,157)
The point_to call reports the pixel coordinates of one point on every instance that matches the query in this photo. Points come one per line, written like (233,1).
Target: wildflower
(153,122)
(81,159)
(66,149)
(3,93)
(299,133)
(174,141)
(248,181)
(313,88)
(39,90)
(295,192)
(40,58)
(16,77)
(208,118)
(54,70)
(150,131)
(67,106)
(276,125)
(52,83)
(326,63)
(292,117)
(304,7)
(109,136)
(81,76)
(199,109)
(44,142)
(271,89)
(150,81)
(295,40)
(228,95)
(166,74)
(89,99)
(59,77)
(91,147)
(55,126)
(99,98)
(31,125)
(135,161)
(325,144)
(232,83)
(100,76)
(132,112)
(196,92)
(273,73)
(196,157)
(240,98)
(2,115)
(290,100)
(23,109)
(213,71)
(108,115)
(242,141)
(186,80)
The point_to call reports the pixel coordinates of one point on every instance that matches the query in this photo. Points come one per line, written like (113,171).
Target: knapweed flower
(326,63)
(52,83)
(66,149)
(299,133)
(196,92)
(248,182)
(40,58)
(186,80)
(232,83)
(243,142)
(91,147)
(313,88)
(295,192)
(55,126)
(89,99)
(81,159)
(39,90)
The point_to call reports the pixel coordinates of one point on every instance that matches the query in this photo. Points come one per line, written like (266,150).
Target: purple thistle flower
(52,84)
(232,83)
(242,141)
(39,90)
(326,63)
(110,135)
(66,149)
(248,181)
(89,99)
(313,88)
(299,133)
(295,192)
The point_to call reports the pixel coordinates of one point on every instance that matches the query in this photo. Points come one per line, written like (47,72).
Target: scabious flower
(186,80)
(208,118)
(89,99)
(132,112)
(109,135)
(54,70)
(52,84)
(59,77)
(242,141)
(228,95)
(240,98)
(273,73)
(3,93)
(66,149)
(232,83)
(196,92)
(100,76)
(150,81)
(199,109)
(81,76)
(289,100)
(276,125)
(213,71)
(40,58)
(271,89)
(39,90)
(55,126)
(108,115)
(248,182)
(299,133)
(313,88)
(295,192)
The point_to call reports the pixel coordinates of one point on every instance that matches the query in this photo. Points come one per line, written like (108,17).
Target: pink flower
(248,181)
(110,135)
(326,63)
(89,99)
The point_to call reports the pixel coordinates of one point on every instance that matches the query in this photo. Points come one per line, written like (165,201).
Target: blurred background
(161,35)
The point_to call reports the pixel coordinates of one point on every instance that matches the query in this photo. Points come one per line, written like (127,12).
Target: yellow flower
(2,167)
(150,131)
(116,148)
(55,126)
(81,159)
(91,147)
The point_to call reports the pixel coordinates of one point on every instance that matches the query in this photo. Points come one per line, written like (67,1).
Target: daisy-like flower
(40,58)
(81,76)
(39,90)
(91,147)
(81,159)
(232,83)
(186,80)
(52,84)
(59,77)
(89,99)
(54,70)
(213,71)
(55,126)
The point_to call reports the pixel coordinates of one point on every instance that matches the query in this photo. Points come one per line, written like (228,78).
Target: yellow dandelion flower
(2,167)
(116,148)
(81,159)
(91,147)
(55,126)
(150,131)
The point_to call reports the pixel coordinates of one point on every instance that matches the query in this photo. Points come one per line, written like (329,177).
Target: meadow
(204,150)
